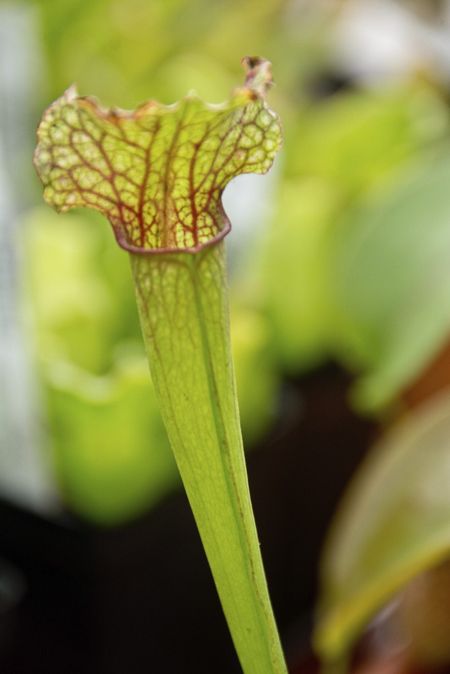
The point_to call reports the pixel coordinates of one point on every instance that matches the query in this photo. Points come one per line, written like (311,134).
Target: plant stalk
(183,306)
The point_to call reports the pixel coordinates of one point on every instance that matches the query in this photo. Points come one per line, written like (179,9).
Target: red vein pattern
(158,172)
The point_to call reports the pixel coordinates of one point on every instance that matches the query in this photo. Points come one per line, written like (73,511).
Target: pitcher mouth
(158,172)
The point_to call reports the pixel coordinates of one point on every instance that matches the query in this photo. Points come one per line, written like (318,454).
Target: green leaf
(393,524)
(338,153)
(294,276)
(110,449)
(358,140)
(158,174)
(60,272)
(390,277)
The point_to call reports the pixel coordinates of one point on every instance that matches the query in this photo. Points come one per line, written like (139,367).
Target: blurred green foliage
(392,525)
(391,279)
(112,456)
(350,264)
(110,450)
(341,156)
(126,52)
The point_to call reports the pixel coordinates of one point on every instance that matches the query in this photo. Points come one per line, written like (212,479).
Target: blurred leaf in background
(112,456)
(110,451)
(80,312)
(393,523)
(391,281)
(342,153)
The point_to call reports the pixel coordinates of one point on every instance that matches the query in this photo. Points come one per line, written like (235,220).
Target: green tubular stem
(183,306)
